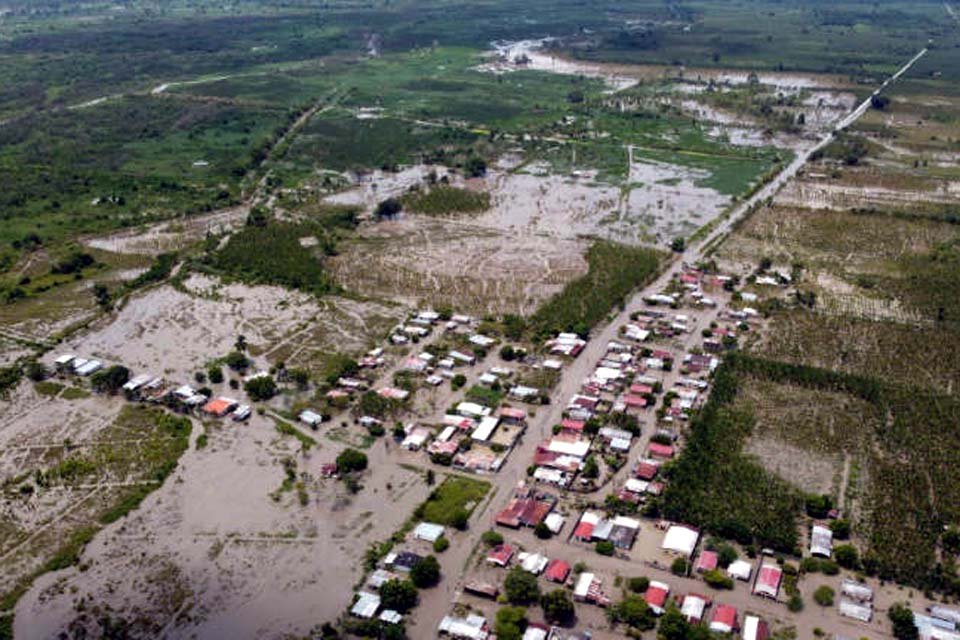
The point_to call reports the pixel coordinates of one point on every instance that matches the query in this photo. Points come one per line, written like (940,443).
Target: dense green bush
(614,271)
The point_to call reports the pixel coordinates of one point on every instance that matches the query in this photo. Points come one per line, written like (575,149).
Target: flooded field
(174,333)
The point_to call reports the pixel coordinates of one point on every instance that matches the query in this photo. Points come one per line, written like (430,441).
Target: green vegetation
(280,253)
(455,498)
(399,595)
(287,429)
(510,623)
(115,165)
(908,436)
(442,200)
(823,595)
(634,612)
(714,485)
(904,627)
(615,270)
(351,460)
(342,142)
(261,388)
(426,573)
(557,607)
(521,587)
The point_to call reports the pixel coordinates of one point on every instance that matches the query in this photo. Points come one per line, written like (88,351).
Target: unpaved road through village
(435,603)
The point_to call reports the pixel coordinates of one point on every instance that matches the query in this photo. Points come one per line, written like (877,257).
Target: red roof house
(572,425)
(707,561)
(724,619)
(646,470)
(660,450)
(656,596)
(557,571)
(500,555)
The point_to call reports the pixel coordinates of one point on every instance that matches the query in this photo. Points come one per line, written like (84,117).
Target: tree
(879,102)
(258,217)
(441,544)
(475,167)
(639,584)
(678,244)
(521,586)
(351,460)
(241,343)
(847,556)
(426,573)
(215,374)
(388,208)
(726,555)
(399,595)
(542,531)
(605,548)
(260,388)
(102,295)
(458,381)
(823,596)
(951,539)
(511,623)
(36,371)
(673,626)
(299,376)
(557,607)
(590,468)
(904,628)
(633,611)
(110,380)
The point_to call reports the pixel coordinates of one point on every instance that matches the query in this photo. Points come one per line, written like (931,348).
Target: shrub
(795,603)
(460,519)
(717,579)
(441,544)
(841,530)
(215,374)
(679,567)
(492,538)
(605,548)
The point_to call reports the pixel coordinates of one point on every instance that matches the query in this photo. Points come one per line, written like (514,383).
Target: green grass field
(455,493)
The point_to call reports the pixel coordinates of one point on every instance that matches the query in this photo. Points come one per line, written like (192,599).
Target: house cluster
(422,325)
(681,541)
(472,436)
(154,389)
(938,623)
